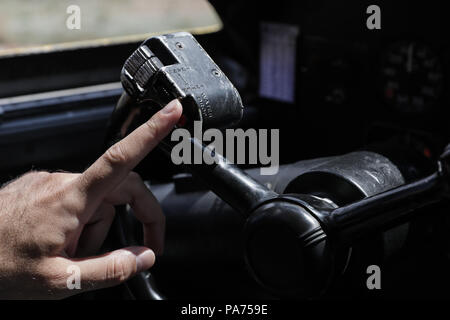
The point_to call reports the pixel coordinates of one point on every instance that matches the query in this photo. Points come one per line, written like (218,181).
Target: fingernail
(171,106)
(145,260)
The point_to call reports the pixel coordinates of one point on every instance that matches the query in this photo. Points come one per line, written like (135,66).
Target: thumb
(107,270)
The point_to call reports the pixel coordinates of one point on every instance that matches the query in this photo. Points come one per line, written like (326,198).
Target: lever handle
(373,213)
(231,184)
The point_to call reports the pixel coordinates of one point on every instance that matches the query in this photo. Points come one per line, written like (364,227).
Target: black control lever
(291,240)
(231,184)
(175,66)
(352,221)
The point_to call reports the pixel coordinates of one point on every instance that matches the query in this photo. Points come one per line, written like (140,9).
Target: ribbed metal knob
(138,70)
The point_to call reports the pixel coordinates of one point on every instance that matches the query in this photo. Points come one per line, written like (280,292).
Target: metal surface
(174,66)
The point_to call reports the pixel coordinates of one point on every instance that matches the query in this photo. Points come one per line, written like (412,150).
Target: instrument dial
(412,77)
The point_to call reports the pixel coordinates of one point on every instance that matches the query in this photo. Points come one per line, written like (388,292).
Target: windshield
(31,23)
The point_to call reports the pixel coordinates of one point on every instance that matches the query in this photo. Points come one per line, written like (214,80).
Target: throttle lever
(175,66)
(291,240)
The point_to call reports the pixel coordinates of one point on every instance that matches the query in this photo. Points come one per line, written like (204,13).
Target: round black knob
(287,251)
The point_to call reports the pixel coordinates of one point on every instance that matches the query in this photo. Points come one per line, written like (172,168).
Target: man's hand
(51,221)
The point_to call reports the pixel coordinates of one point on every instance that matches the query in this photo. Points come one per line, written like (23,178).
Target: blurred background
(25,23)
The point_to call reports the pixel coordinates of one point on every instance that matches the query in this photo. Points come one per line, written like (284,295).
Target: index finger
(114,165)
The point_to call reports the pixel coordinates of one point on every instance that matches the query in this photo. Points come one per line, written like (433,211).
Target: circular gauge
(412,77)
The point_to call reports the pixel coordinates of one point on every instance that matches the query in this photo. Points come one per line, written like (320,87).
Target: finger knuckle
(71,223)
(72,206)
(153,128)
(42,174)
(115,155)
(119,268)
(38,175)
